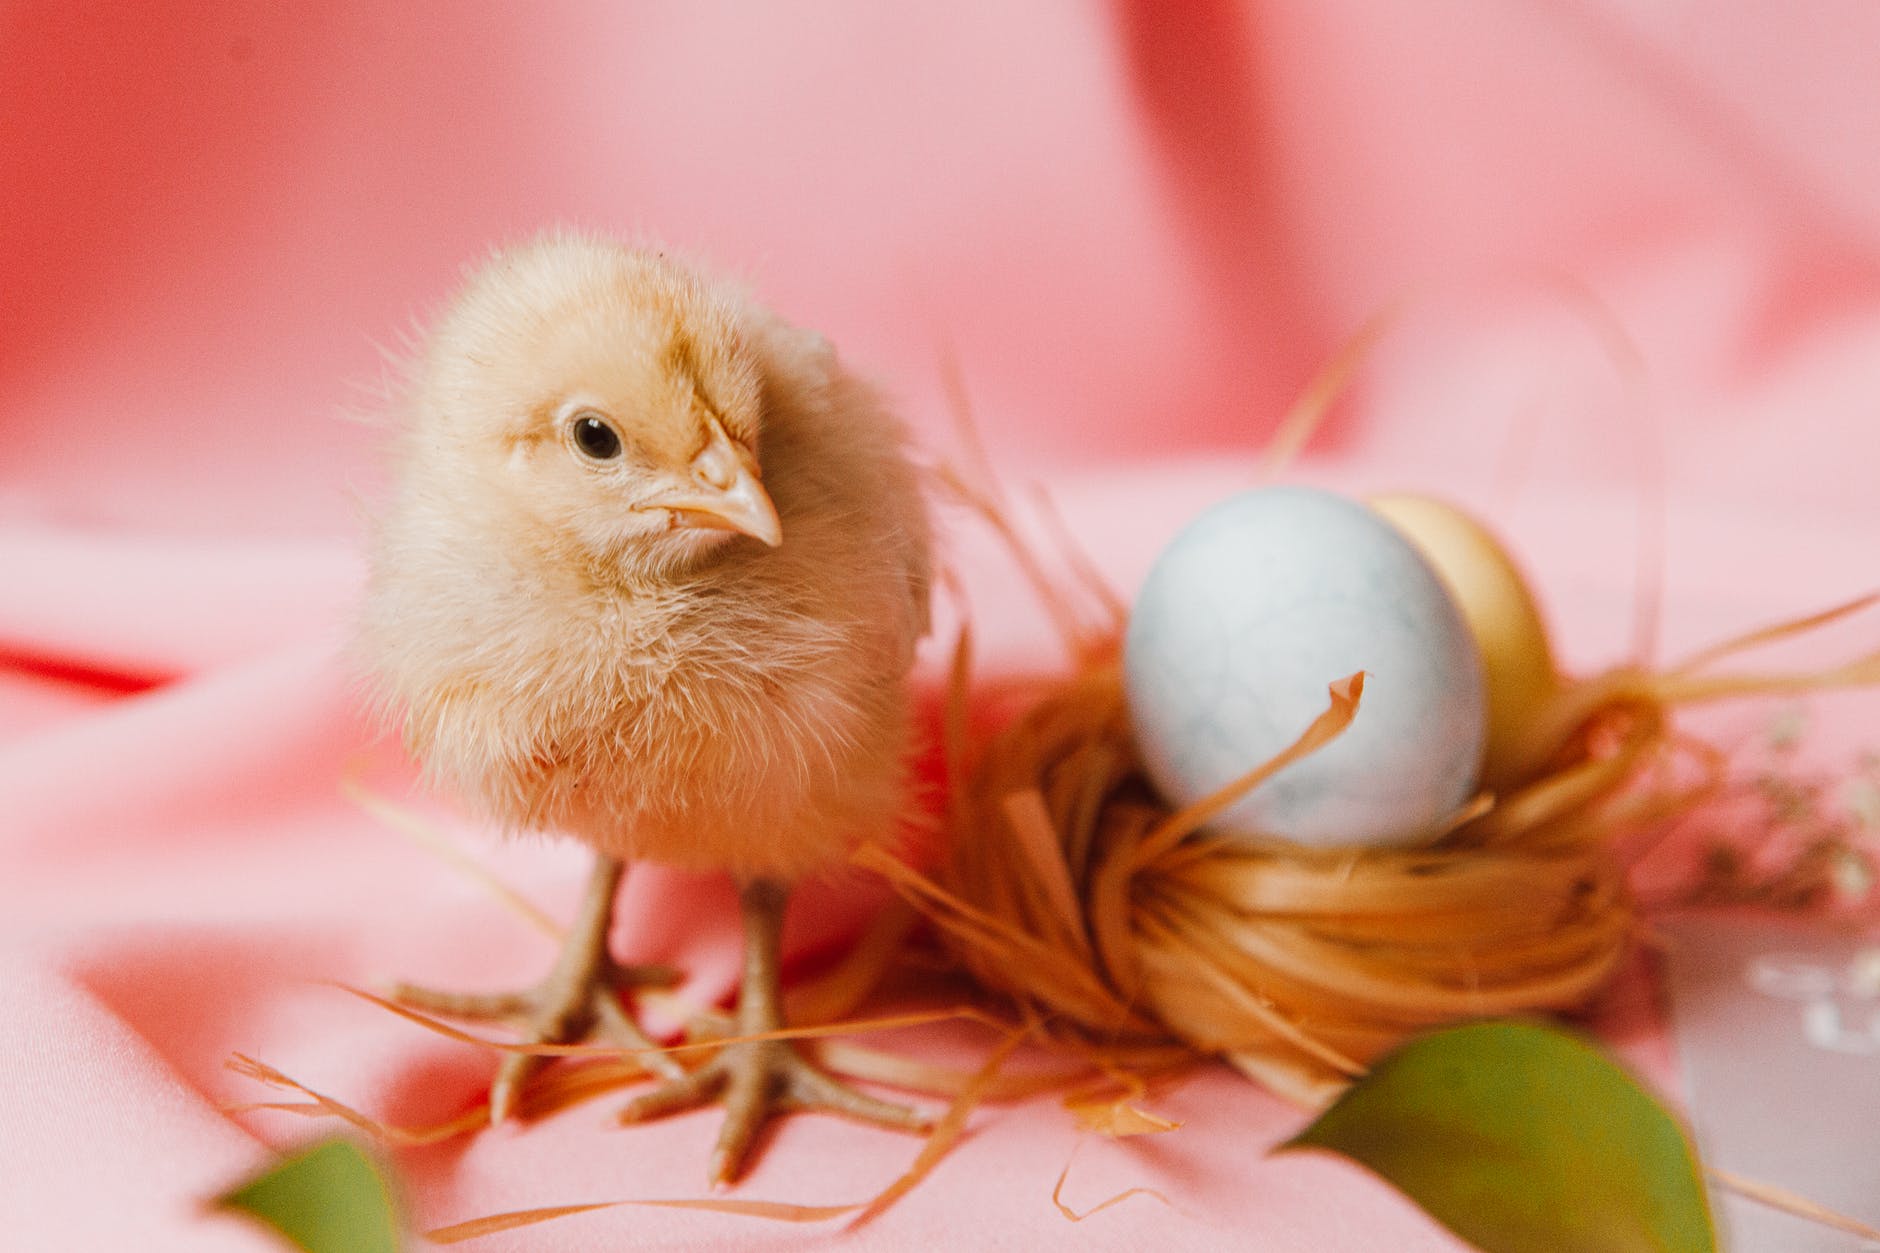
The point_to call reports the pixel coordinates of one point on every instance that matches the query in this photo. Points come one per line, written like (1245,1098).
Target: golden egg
(1518,669)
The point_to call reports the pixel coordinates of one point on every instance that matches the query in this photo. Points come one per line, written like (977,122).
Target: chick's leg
(754,1079)
(579,998)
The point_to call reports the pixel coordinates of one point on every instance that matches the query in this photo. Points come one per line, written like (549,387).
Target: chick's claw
(755,1079)
(578,1000)
(554,1012)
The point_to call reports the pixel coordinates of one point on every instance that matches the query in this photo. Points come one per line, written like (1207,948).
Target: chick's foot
(755,1079)
(578,1000)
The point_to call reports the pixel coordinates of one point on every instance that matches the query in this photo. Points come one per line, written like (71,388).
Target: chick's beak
(725,493)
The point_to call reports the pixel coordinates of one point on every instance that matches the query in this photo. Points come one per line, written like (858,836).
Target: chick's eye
(595,438)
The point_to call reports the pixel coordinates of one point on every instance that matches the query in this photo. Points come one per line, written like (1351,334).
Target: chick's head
(608,396)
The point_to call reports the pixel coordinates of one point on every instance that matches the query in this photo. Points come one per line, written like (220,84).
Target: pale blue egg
(1245,618)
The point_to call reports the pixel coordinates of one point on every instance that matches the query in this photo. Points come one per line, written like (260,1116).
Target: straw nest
(1075,891)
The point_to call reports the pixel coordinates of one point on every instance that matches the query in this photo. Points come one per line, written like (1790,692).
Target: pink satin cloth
(1634,252)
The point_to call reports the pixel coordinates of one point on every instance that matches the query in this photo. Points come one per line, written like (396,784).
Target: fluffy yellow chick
(652,577)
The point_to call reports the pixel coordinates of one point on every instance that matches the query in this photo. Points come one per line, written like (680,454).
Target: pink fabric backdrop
(1140,228)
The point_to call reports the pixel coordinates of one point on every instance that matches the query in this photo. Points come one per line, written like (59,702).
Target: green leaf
(330,1198)
(1522,1139)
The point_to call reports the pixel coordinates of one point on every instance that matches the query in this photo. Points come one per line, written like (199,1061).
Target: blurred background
(1140,227)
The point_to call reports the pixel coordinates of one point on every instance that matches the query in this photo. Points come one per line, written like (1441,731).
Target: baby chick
(652,577)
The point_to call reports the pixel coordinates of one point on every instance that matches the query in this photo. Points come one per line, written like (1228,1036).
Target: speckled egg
(1244,619)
